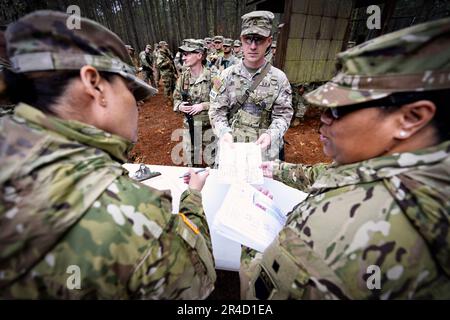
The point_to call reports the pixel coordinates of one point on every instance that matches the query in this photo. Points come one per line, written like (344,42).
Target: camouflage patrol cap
(227,42)
(149,47)
(218,38)
(412,59)
(237,43)
(129,47)
(192,45)
(41,41)
(208,40)
(186,40)
(257,22)
(202,41)
(163,43)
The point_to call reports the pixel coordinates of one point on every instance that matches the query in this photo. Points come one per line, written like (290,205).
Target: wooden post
(282,40)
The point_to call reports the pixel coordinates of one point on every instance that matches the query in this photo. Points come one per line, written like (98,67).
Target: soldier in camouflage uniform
(209,45)
(74,226)
(147,61)
(130,50)
(270,54)
(155,67)
(191,97)
(376,222)
(237,45)
(299,102)
(166,68)
(216,52)
(264,116)
(228,59)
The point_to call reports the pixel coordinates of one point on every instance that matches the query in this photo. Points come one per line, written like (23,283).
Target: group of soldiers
(155,65)
(218,55)
(374,224)
(161,63)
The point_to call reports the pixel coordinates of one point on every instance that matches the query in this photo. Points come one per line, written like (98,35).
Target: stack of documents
(240,163)
(249,217)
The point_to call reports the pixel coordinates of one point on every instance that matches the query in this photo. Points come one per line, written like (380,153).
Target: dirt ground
(157,121)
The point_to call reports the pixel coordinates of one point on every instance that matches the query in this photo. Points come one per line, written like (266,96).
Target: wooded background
(139,22)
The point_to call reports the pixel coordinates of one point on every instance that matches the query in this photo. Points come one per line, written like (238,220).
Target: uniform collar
(202,77)
(244,72)
(114,145)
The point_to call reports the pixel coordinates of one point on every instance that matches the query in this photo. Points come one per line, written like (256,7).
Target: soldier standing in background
(156,74)
(209,45)
(270,53)
(299,103)
(191,97)
(131,53)
(216,52)
(251,101)
(147,60)
(228,59)
(167,70)
(237,49)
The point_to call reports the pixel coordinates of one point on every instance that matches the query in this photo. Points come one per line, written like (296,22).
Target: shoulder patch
(218,84)
(188,222)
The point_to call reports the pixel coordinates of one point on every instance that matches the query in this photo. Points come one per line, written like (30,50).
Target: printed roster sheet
(240,163)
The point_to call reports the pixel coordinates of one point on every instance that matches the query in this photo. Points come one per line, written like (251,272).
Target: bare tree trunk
(156,7)
(180,25)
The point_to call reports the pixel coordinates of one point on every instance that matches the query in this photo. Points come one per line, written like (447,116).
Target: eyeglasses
(340,112)
(394,100)
(188,53)
(257,39)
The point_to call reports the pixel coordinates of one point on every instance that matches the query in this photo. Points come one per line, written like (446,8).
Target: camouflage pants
(156,75)
(168,80)
(149,77)
(204,149)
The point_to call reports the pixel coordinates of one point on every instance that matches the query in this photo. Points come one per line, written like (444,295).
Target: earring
(402,134)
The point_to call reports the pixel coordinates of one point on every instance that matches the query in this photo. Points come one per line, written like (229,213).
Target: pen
(188,174)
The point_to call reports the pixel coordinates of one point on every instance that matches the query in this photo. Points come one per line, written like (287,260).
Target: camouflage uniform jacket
(213,56)
(146,60)
(165,63)
(198,90)
(66,202)
(273,92)
(390,214)
(224,62)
